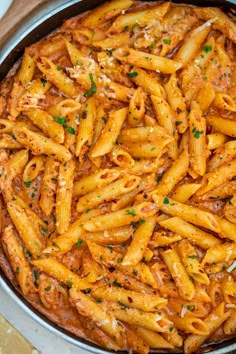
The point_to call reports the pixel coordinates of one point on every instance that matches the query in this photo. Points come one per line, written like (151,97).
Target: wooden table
(16,14)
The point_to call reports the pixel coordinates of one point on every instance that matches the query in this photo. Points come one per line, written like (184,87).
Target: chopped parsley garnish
(197,133)
(44,81)
(60,120)
(191,307)
(166,200)
(126,28)
(116,284)
(171,329)
(133,74)
(17,270)
(135,25)
(48,288)
(71,130)
(59,68)
(207,48)
(69,283)
(93,88)
(122,306)
(193,256)
(44,230)
(54,244)
(28,183)
(130,212)
(79,243)
(166,41)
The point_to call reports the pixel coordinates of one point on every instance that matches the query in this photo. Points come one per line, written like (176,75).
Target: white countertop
(46,342)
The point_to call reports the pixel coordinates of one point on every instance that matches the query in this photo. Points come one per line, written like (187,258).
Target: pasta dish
(118,176)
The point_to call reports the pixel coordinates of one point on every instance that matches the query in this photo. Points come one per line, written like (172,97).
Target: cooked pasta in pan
(118,167)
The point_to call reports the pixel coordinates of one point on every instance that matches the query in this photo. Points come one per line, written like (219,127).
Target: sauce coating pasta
(118,161)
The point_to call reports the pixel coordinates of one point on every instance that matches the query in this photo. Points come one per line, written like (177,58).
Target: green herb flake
(79,243)
(130,212)
(122,306)
(28,183)
(166,200)
(44,81)
(191,307)
(116,284)
(178,122)
(69,283)
(197,133)
(166,41)
(141,221)
(133,74)
(36,274)
(48,288)
(119,260)
(135,25)
(54,244)
(193,256)
(126,28)
(17,270)
(60,120)
(135,272)
(93,88)
(207,48)
(59,68)
(44,230)
(171,329)
(99,301)
(153,45)
(71,130)
(79,63)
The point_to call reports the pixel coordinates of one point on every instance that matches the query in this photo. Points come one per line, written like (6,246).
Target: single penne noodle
(166,118)
(64,108)
(64,196)
(216,178)
(185,191)
(121,217)
(205,96)
(33,168)
(136,107)
(222,192)
(142,18)
(213,321)
(216,140)
(191,45)
(224,101)
(148,83)
(67,240)
(30,98)
(86,126)
(162,238)
(194,234)
(151,320)
(113,190)
(154,339)
(39,144)
(76,56)
(17,163)
(16,92)
(190,260)
(48,187)
(220,253)
(110,133)
(191,324)
(177,102)
(181,278)
(108,237)
(44,121)
(18,261)
(197,141)
(98,179)
(121,157)
(105,12)
(174,174)
(59,271)
(187,212)
(173,337)
(146,133)
(222,125)
(57,77)
(138,245)
(95,313)
(27,67)
(146,61)
(148,150)
(26,229)
(147,303)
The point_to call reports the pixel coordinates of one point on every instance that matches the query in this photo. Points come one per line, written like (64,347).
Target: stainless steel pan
(41,23)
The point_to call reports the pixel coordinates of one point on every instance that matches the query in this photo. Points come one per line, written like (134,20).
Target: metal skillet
(42,22)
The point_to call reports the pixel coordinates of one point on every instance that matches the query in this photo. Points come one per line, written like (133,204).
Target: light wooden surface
(16,14)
